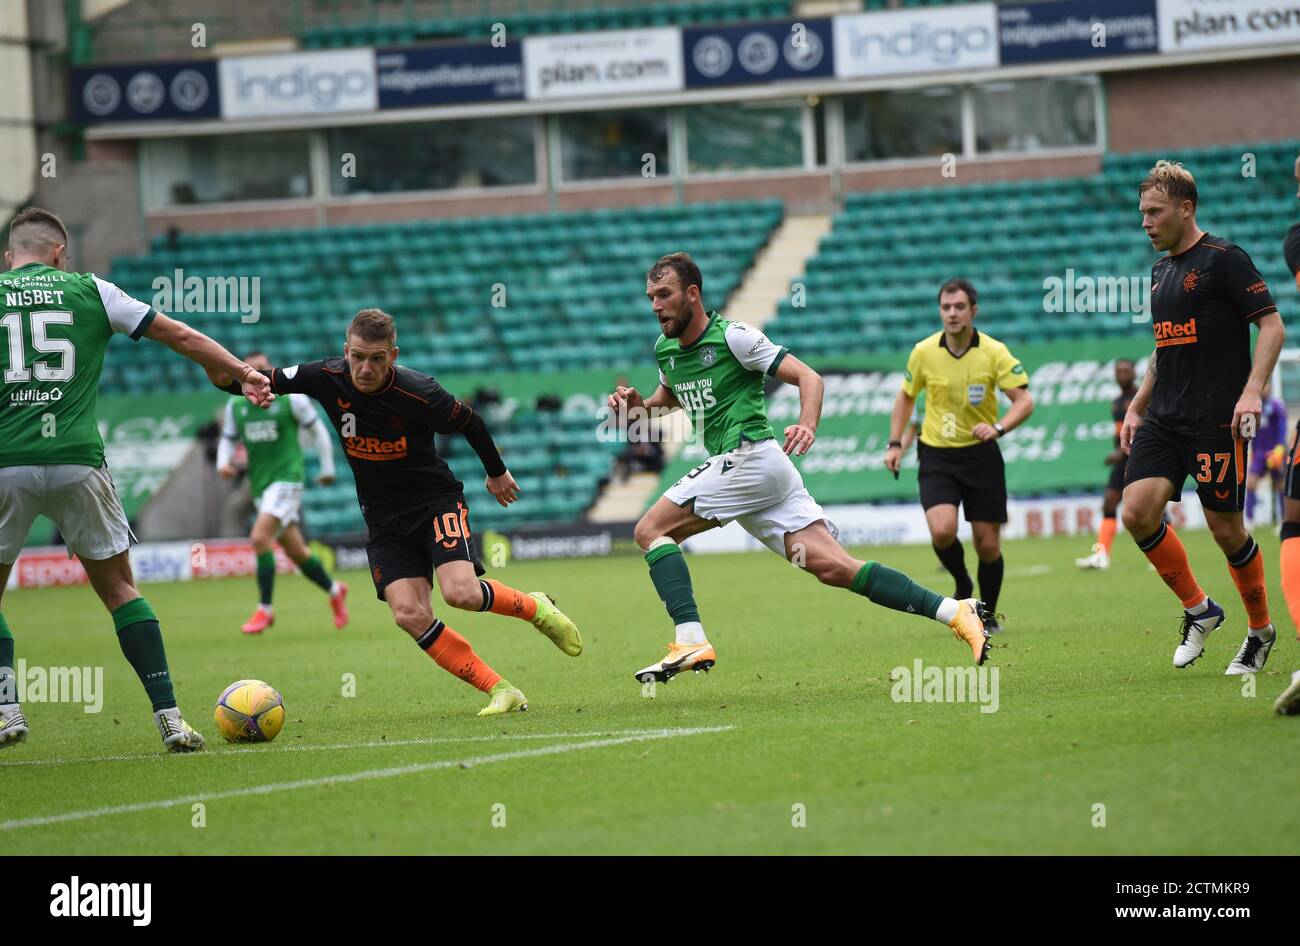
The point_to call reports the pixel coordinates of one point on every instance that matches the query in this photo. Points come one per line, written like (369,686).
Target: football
(249,711)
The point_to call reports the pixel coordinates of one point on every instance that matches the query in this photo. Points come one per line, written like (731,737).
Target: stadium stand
(561,18)
(573,291)
(576,276)
(872,284)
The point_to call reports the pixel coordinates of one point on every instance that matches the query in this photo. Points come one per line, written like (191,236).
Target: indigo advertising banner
(1076,29)
(447,75)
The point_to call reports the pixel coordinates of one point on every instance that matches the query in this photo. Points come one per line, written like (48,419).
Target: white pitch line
(347,777)
(1028,571)
(372,744)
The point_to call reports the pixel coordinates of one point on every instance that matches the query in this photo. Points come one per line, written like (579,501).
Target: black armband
(476,433)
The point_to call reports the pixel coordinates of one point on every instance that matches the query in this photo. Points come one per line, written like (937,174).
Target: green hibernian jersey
(270,436)
(54,330)
(718,380)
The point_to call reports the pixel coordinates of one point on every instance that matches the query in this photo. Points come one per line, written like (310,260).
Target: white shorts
(757,486)
(284,501)
(81,500)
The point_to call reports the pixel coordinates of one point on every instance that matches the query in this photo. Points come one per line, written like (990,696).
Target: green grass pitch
(800,724)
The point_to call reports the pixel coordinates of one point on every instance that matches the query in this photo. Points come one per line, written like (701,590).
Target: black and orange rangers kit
(1203,302)
(413,504)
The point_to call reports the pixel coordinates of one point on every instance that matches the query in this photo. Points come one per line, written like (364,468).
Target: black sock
(990,575)
(954,559)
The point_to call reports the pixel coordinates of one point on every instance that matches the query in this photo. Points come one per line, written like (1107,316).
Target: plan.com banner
(1061,447)
(1187,25)
(619,62)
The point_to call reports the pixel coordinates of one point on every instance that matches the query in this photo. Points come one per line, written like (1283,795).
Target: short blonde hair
(373,325)
(1171,179)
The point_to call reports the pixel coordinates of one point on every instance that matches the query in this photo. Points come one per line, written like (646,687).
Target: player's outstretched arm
(662,399)
(197,347)
(799,437)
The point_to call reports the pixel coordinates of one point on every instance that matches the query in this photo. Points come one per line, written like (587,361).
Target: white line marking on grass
(372,744)
(1028,571)
(365,776)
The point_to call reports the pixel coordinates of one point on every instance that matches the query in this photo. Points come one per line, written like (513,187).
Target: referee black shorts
(1215,459)
(973,477)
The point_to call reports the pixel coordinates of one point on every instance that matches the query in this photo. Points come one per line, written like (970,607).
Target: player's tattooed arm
(197,347)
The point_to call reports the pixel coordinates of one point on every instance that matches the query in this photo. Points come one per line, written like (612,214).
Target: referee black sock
(953,558)
(990,576)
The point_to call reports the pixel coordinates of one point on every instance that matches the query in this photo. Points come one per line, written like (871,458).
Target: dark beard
(678,324)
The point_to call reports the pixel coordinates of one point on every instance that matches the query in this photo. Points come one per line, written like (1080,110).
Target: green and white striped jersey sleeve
(126,315)
(753,349)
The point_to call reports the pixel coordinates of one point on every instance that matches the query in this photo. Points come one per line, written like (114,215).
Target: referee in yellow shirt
(961,372)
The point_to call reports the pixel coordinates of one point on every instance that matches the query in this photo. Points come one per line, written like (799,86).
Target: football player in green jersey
(714,369)
(276,472)
(55,327)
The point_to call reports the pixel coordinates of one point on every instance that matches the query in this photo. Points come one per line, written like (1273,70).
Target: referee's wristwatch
(1000,429)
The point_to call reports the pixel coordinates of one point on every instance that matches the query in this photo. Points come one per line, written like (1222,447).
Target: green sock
(890,588)
(672,580)
(313,569)
(8,689)
(141,640)
(265,576)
